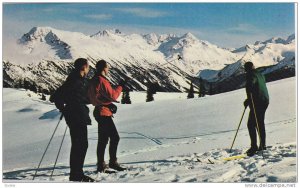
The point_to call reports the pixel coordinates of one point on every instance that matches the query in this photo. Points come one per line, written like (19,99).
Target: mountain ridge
(135,54)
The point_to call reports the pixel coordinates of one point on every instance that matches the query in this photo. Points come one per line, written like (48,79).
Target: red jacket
(100,93)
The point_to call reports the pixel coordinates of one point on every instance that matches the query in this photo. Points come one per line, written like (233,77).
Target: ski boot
(252,151)
(105,169)
(261,148)
(83,178)
(102,167)
(116,166)
(87,179)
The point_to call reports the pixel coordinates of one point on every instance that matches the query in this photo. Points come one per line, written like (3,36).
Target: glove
(60,106)
(62,110)
(123,82)
(246,103)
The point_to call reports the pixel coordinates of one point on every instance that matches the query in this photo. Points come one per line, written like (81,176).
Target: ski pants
(107,131)
(252,125)
(79,141)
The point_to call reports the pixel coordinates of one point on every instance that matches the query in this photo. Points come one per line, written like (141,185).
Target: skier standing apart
(102,95)
(257,97)
(71,99)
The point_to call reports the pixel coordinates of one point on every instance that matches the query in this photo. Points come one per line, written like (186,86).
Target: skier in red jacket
(101,95)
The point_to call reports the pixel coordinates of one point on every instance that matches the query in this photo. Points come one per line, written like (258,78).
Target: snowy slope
(132,54)
(169,140)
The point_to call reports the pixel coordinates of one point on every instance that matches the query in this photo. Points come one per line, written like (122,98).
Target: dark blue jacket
(71,99)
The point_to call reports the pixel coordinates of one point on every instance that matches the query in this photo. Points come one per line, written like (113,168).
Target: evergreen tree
(150,93)
(199,94)
(46,92)
(18,84)
(125,97)
(40,90)
(21,83)
(149,96)
(26,84)
(152,88)
(33,88)
(191,91)
(43,97)
(201,88)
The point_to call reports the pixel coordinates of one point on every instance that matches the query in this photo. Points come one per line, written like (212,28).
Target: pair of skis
(235,157)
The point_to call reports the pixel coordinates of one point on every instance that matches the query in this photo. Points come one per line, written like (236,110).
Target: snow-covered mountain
(38,38)
(274,57)
(262,54)
(44,57)
(197,54)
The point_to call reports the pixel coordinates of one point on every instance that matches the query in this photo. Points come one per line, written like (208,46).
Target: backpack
(58,98)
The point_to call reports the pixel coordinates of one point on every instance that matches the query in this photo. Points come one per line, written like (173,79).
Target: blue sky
(223,24)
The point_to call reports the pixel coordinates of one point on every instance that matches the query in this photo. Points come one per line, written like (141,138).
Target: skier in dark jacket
(101,95)
(258,101)
(71,99)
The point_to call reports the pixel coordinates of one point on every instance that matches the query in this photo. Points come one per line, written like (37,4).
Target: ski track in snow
(186,168)
(147,137)
(194,167)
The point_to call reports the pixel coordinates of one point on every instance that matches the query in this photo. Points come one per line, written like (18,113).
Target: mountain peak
(151,38)
(188,39)
(47,36)
(290,38)
(107,32)
(275,40)
(36,33)
(190,36)
(166,37)
(40,30)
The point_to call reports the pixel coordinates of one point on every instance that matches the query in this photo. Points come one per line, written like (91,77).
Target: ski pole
(257,126)
(47,146)
(58,152)
(237,129)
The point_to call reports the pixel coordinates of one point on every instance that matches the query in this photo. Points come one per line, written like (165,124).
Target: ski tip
(234,157)
(210,161)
